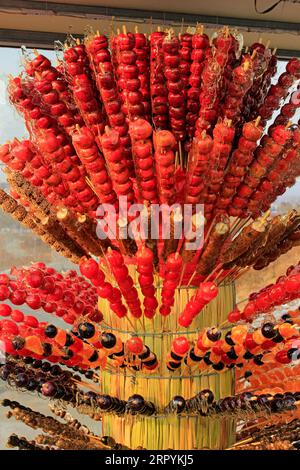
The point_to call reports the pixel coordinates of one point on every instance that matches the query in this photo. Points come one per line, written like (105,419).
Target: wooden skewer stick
(257,121)
(124,29)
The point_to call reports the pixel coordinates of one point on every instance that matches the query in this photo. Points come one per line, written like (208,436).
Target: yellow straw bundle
(170,431)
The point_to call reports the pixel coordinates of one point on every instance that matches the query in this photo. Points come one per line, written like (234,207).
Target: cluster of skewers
(165,119)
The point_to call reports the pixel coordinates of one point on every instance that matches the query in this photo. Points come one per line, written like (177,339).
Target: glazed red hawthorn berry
(5,310)
(89,268)
(180,346)
(134,345)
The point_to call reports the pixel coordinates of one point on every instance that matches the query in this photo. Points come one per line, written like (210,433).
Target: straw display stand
(169,431)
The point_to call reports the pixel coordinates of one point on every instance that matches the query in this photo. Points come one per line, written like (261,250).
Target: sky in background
(11,124)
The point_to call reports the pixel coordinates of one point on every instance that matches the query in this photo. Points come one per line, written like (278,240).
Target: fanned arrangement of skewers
(166,120)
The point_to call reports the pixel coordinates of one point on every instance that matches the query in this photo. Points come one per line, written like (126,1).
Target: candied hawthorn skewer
(287,111)
(185,54)
(141,137)
(279,91)
(249,237)
(211,252)
(273,254)
(52,103)
(83,89)
(142,51)
(125,282)
(223,135)
(90,269)
(50,218)
(204,294)
(198,167)
(22,157)
(53,145)
(282,175)
(241,157)
(277,179)
(158,87)
(200,44)
(241,81)
(164,143)
(66,246)
(128,73)
(94,163)
(212,80)
(144,259)
(179,348)
(283,291)
(171,281)
(100,59)
(277,230)
(266,154)
(49,145)
(113,153)
(175,85)
(43,288)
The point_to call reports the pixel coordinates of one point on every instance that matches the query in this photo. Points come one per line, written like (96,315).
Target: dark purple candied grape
(104,402)
(37,364)
(32,385)
(21,380)
(55,370)
(135,402)
(86,330)
(178,403)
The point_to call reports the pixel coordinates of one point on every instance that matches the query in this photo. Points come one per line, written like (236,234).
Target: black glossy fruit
(228,339)
(46,366)
(136,402)
(278,338)
(104,402)
(108,340)
(213,334)
(37,364)
(206,359)
(231,354)
(69,340)
(207,395)
(178,404)
(194,357)
(55,370)
(50,331)
(175,356)
(86,330)
(21,380)
(258,359)
(32,385)
(174,365)
(268,330)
